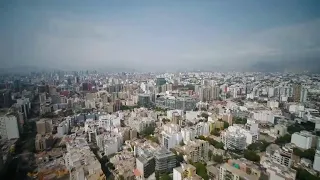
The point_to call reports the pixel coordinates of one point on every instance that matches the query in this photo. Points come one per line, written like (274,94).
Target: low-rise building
(239,169)
(185,171)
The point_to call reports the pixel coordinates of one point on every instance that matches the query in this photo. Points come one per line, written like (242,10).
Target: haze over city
(159,35)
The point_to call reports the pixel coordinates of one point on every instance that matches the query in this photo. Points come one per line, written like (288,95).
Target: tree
(121,177)
(148,131)
(110,166)
(260,145)
(217,158)
(303,174)
(251,155)
(308,154)
(238,120)
(225,125)
(201,170)
(153,139)
(165,177)
(202,138)
(210,154)
(165,120)
(203,109)
(283,139)
(179,158)
(215,132)
(181,143)
(204,115)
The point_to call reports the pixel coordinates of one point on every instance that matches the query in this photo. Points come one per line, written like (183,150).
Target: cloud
(77,42)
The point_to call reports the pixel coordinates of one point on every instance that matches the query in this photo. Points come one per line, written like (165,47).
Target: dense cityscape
(160,90)
(190,125)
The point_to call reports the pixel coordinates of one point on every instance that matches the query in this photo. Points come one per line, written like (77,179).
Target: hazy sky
(156,34)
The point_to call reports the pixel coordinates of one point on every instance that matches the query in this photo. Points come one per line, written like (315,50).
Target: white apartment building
(316,162)
(279,155)
(296,108)
(273,104)
(196,150)
(279,172)
(192,115)
(303,139)
(170,140)
(111,147)
(109,122)
(63,127)
(140,124)
(263,116)
(171,113)
(188,134)
(202,129)
(9,127)
(236,137)
(109,143)
(185,171)
(234,172)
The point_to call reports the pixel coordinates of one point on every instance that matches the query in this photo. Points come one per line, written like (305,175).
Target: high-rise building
(144,100)
(303,139)
(303,95)
(8,127)
(165,161)
(145,165)
(296,92)
(44,126)
(316,162)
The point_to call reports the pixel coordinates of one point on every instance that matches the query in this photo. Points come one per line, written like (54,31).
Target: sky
(156,35)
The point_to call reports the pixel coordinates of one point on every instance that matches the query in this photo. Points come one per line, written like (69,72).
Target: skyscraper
(296,92)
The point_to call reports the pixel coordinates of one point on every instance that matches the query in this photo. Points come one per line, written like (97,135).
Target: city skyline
(158,36)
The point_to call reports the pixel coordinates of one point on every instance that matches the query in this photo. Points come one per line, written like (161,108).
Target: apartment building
(240,169)
(185,171)
(165,161)
(44,126)
(280,155)
(196,150)
(9,127)
(237,138)
(303,139)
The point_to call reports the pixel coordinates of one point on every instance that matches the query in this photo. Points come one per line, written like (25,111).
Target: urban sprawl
(181,126)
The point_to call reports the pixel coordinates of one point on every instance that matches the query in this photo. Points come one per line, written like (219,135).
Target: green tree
(217,158)
(153,139)
(181,143)
(238,120)
(283,139)
(165,177)
(121,177)
(202,138)
(148,131)
(210,154)
(225,125)
(251,155)
(204,115)
(201,170)
(303,174)
(110,166)
(260,145)
(165,120)
(308,154)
